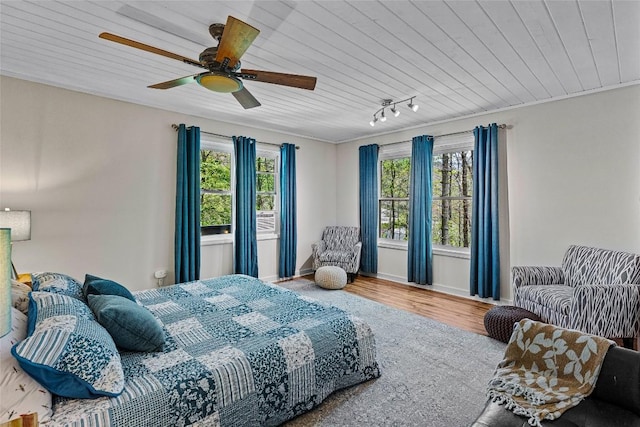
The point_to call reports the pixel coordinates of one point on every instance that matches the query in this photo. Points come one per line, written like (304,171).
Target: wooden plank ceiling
(456,57)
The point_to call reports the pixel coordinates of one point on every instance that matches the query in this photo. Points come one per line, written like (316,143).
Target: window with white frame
(217,169)
(452,181)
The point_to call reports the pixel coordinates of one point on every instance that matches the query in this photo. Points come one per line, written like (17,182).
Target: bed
(237,352)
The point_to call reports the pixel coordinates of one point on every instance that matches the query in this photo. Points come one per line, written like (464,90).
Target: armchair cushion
(594,266)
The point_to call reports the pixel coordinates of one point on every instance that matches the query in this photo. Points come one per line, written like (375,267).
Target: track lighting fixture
(393,108)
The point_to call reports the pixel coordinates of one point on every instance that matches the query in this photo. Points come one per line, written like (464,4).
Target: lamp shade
(5,281)
(19,222)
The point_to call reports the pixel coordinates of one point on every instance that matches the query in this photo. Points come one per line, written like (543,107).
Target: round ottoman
(331,277)
(500,319)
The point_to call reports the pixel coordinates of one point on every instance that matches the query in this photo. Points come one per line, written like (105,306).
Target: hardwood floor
(456,311)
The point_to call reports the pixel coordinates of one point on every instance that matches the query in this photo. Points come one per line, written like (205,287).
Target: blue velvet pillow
(94,285)
(67,351)
(131,326)
(57,283)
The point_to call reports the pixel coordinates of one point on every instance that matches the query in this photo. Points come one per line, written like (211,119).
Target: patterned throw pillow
(57,283)
(20,296)
(67,350)
(21,394)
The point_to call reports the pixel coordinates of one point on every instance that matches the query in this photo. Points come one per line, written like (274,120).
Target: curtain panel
(288,212)
(369,207)
(245,249)
(485,247)
(187,227)
(420,252)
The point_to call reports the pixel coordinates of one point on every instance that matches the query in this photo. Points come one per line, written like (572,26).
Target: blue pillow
(57,283)
(94,285)
(131,326)
(67,351)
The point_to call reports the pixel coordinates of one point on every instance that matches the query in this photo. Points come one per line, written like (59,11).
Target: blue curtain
(245,256)
(288,224)
(369,208)
(420,268)
(485,248)
(187,233)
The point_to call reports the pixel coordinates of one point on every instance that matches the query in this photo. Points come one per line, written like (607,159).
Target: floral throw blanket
(546,370)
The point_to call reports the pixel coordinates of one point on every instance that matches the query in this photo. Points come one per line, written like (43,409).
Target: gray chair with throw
(596,291)
(340,246)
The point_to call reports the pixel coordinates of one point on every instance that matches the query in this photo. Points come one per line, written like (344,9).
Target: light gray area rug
(433,375)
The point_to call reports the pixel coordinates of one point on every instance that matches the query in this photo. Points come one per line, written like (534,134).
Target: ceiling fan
(223,63)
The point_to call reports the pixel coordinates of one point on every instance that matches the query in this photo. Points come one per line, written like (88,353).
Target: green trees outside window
(452,188)
(216,195)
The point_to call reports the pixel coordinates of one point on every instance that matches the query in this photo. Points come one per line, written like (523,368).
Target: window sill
(216,239)
(437,250)
(267,236)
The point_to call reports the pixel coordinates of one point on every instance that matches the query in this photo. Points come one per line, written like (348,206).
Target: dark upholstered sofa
(615,401)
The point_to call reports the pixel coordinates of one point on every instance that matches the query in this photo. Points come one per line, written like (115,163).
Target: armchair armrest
(317,248)
(357,249)
(611,311)
(530,275)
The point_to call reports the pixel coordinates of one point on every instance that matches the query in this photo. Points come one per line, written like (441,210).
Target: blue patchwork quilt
(239,352)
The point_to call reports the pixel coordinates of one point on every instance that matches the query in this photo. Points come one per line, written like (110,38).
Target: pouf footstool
(331,277)
(499,320)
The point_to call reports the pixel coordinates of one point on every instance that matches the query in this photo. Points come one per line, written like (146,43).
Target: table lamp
(20,224)
(5,281)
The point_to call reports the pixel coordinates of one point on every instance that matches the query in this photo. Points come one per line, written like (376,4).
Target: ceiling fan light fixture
(219,82)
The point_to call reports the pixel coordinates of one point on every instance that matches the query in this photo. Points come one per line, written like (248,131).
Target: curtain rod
(175,127)
(502,126)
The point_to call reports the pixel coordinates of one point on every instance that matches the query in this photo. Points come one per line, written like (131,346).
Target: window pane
(265,164)
(394,219)
(394,178)
(215,170)
(451,223)
(265,182)
(452,174)
(265,202)
(215,209)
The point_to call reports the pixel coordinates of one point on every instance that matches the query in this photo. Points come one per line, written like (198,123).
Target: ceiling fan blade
(148,48)
(173,83)
(245,98)
(235,40)
(293,80)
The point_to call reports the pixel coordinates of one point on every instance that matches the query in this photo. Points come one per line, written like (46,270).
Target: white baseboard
(442,288)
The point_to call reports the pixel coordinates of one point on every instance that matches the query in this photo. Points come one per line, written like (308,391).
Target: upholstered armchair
(340,246)
(596,291)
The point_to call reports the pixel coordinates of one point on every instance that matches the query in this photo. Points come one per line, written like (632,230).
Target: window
(393,209)
(266,194)
(216,189)
(452,189)
(452,186)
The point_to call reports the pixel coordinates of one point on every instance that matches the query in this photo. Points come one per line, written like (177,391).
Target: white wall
(570,174)
(99,178)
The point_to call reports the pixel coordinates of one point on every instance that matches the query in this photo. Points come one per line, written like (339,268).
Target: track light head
(373,122)
(383,118)
(395,111)
(413,106)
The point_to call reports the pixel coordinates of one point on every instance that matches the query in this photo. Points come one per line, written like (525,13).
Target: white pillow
(20,393)
(20,296)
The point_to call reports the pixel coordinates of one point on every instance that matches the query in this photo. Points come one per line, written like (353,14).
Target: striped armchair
(596,291)
(340,246)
